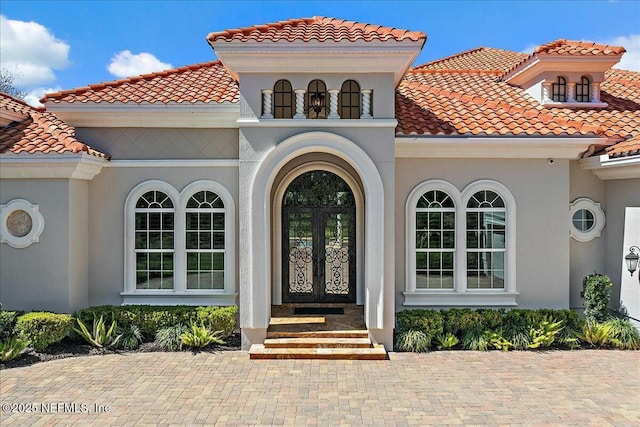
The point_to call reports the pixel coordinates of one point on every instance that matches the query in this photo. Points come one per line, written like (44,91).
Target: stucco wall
(37,277)
(541,192)
(169,143)
(79,236)
(107,194)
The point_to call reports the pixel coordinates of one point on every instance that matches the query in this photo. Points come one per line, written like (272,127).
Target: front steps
(334,337)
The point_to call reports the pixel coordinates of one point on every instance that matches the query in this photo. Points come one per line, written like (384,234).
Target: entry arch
(256,273)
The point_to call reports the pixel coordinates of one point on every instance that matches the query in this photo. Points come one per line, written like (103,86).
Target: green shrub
(413,340)
(598,334)
(218,318)
(498,341)
(458,321)
(475,339)
(446,341)
(11,348)
(100,335)
(130,337)
(41,329)
(169,337)
(624,335)
(8,323)
(491,319)
(544,334)
(198,336)
(516,329)
(428,321)
(597,295)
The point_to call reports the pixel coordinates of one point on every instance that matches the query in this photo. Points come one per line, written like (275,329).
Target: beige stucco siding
(108,192)
(168,143)
(541,192)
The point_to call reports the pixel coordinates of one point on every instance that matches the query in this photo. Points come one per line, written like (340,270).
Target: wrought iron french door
(318,254)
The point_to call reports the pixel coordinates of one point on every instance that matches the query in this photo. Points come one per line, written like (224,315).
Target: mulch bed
(69,348)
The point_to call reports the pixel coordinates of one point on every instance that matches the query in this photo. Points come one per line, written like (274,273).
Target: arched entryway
(318,239)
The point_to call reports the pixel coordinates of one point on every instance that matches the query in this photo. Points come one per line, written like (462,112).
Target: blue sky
(53,45)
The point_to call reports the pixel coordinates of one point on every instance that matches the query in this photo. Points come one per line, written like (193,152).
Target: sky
(55,45)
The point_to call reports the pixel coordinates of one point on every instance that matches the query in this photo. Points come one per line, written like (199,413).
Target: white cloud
(31,52)
(125,64)
(631,59)
(33,96)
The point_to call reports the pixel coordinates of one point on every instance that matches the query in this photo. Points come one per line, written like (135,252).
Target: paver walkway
(598,388)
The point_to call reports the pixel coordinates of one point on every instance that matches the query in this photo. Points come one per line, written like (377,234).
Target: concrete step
(315,342)
(377,352)
(318,334)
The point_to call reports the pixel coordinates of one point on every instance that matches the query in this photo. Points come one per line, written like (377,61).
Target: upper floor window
(315,103)
(283,100)
(349,101)
(583,90)
(559,90)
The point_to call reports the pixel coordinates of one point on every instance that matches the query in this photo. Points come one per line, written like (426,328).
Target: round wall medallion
(21,223)
(586,219)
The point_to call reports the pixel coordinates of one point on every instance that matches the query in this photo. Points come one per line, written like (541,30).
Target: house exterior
(312,163)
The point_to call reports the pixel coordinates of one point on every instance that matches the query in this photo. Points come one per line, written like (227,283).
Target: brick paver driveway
(597,388)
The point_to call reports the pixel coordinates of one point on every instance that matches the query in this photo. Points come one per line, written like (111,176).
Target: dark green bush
(8,323)
(597,295)
(41,329)
(152,318)
(428,321)
(458,321)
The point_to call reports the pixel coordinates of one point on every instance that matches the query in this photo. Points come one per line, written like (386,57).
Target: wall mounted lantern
(317,103)
(632,259)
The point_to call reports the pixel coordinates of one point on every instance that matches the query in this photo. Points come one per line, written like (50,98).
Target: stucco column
(546,92)
(333,104)
(300,104)
(366,104)
(595,92)
(266,104)
(571,92)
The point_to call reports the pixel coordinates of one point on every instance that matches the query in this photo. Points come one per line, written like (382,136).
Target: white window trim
(598,215)
(460,295)
(179,294)
(37,223)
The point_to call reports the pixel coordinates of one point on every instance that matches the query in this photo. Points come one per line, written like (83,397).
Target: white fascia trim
(174,163)
(492,147)
(575,104)
(324,123)
(560,64)
(460,299)
(173,115)
(71,166)
(607,168)
(179,298)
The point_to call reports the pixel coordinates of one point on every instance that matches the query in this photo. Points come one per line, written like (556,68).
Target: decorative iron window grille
(559,90)
(315,100)
(583,90)
(349,101)
(283,100)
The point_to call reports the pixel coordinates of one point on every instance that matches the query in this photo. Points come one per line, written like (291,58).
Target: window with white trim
(587,219)
(485,240)
(583,90)
(559,90)
(205,241)
(435,240)
(154,241)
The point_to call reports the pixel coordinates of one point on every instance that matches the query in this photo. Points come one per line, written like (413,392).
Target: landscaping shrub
(597,295)
(169,337)
(130,337)
(8,323)
(446,341)
(624,335)
(457,321)
(198,336)
(597,334)
(100,334)
(11,348)
(475,339)
(544,334)
(41,329)
(428,321)
(413,340)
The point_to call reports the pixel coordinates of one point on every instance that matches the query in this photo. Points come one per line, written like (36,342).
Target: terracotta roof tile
(479,59)
(208,82)
(40,132)
(630,147)
(318,28)
(570,47)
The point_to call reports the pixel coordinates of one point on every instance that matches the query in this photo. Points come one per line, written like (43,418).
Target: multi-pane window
(315,103)
(283,100)
(349,101)
(583,90)
(205,241)
(154,241)
(559,90)
(486,241)
(435,241)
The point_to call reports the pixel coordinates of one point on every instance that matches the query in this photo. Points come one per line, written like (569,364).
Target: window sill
(581,105)
(473,298)
(169,297)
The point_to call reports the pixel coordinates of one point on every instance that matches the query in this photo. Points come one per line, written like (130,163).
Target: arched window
(284,100)
(315,102)
(486,240)
(583,90)
(154,241)
(435,240)
(205,241)
(559,90)
(349,101)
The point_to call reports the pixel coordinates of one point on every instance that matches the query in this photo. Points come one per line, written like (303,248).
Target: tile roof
(454,100)
(207,82)
(39,133)
(318,28)
(630,147)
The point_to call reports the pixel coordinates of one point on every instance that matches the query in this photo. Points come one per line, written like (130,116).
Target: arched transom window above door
(317,100)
